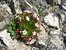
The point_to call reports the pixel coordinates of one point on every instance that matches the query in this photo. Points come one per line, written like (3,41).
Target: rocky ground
(53,13)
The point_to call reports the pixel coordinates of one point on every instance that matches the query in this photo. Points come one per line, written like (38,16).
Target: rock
(13,44)
(56,39)
(49,2)
(63,1)
(17,6)
(55,32)
(64,40)
(52,2)
(53,9)
(11,6)
(43,36)
(6,16)
(64,6)
(55,35)
(64,27)
(52,20)
(6,7)
(59,2)
(40,5)
(2,45)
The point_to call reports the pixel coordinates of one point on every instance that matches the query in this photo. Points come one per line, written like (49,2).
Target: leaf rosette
(24,27)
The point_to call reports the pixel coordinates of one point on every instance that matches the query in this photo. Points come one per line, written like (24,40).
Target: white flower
(27,18)
(34,33)
(36,24)
(24,32)
(37,18)
(20,18)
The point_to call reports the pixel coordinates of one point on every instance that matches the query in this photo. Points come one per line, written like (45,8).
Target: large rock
(5,16)
(43,36)
(13,44)
(2,45)
(52,20)
(17,6)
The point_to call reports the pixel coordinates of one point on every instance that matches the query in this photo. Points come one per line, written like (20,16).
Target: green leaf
(37,30)
(12,23)
(13,33)
(65,18)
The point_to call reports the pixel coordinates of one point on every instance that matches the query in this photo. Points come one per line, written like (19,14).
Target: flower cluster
(24,27)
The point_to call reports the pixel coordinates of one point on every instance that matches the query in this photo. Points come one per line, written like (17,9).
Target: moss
(1,18)
(65,18)
(53,9)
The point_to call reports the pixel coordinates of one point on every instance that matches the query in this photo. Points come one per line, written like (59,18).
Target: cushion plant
(24,27)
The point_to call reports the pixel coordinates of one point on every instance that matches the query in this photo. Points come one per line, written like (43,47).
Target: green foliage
(1,18)
(65,18)
(42,11)
(16,27)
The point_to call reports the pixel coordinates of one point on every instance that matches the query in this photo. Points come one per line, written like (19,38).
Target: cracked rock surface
(53,21)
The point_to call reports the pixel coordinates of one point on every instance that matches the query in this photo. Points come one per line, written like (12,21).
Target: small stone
(52,20)
(64,6)
(64,27)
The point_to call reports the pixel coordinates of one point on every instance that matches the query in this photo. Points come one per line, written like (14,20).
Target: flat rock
(5,16)
(52,20)
(14,44)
